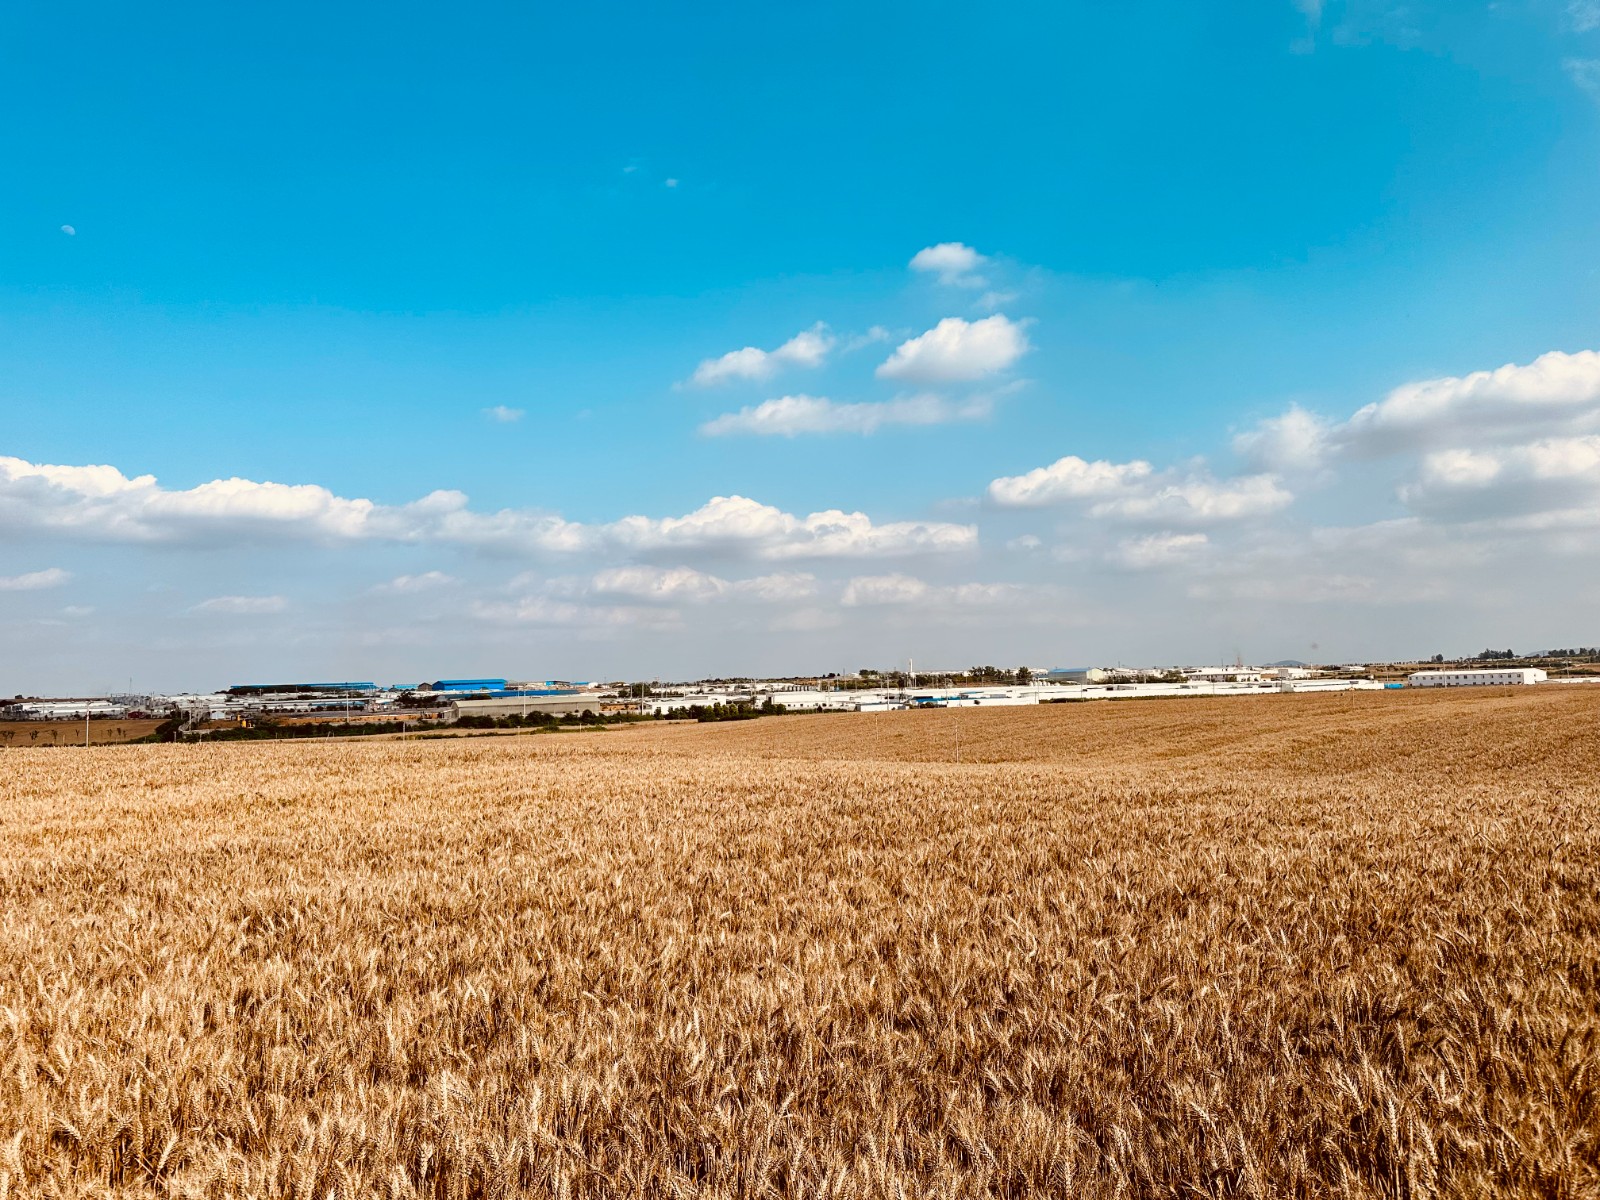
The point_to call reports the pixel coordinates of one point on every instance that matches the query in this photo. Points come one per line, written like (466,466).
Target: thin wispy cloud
(502,415)
(1585,72)
(34,581)
(242,606)
(793,416)
(427,581)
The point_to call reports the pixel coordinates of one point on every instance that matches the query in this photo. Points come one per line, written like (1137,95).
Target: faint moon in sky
(69,231)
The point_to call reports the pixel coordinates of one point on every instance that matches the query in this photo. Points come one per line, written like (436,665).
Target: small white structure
(1476,677)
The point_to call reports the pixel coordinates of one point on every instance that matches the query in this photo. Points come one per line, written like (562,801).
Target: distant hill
(1289,662)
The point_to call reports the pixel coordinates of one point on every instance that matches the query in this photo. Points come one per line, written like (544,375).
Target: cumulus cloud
(1552,476)
(34,581)
(957,351)
(1501,444)
(808,348)
(1557,392)
(503,415)
(242,606)
(1295,440)
(790,416)
(1158,550)
(1134,492)
(100,503)
(1068,478)
(955,264)
(734,522)
(1199,501)
(675,584)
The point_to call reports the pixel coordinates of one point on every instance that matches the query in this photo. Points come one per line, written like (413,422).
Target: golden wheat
(1300,946)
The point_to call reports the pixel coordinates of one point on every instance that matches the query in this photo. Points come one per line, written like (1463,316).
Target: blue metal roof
(467,685)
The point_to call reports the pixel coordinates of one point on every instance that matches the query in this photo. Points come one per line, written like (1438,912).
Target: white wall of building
(1478,677)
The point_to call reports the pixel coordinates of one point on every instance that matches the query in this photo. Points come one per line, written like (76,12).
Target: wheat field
(1310,946)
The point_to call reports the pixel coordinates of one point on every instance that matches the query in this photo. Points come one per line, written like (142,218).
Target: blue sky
(498,255)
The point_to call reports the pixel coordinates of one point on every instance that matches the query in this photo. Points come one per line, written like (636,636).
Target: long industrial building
(1478,677)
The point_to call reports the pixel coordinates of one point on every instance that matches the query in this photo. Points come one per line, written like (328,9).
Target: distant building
(1486,677)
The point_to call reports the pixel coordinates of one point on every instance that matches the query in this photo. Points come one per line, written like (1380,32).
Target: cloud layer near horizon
(100,503)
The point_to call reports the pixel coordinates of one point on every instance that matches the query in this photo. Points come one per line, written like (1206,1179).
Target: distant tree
(1024,675)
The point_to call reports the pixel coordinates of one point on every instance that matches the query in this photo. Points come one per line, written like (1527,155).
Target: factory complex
(446,701)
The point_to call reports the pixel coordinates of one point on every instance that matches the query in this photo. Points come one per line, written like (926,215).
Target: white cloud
(1134,492)
(1584,15)
(1159,550)
(871,337)
(1554,477)
(994,300)
(779,588)
(957,351)
(809,348)
(674,584)
(100,503)
(1199,501)
(1069,478)
(1026,544)
(762,531)
(503,414)
(427,581)
(588,619)
(1555,392)
(789,416)
(34,581)
(1295,440)
(69,231)
(1585,72)
(876,591)
(883,589)
(955,264)
(242,606)
(658,583)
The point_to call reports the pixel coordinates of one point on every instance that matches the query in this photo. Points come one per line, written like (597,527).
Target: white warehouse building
(1486,677)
